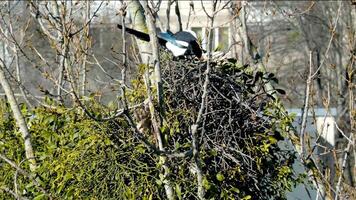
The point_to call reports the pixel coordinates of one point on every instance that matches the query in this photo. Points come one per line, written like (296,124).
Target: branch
(37,14)
(306,106)
(191,8)
(87,44)
(20,120)
(330,41)
(178,15)
(194,127)
(88,22)
(344,161)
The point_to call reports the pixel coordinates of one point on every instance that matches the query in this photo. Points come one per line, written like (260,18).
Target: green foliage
(78,158)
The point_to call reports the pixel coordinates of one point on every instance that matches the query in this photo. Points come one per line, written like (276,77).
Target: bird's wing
(185,36)
(175,50)
(169,37)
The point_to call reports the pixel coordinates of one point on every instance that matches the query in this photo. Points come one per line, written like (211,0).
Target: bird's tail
(138,34)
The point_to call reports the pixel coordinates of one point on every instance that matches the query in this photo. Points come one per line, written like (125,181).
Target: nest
(236,99)
(234,125)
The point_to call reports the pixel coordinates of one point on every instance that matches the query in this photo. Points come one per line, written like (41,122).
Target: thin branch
(102,68)
(344,162)
(333,31)
(87,43)
(20,120)
(194,127)
(88,22)
(37,14)
(168,14)
(177,11)
(342,133)
(191,9)
(306,106)
(159,87)
(124,48)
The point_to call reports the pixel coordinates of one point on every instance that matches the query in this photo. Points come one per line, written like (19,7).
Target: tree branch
(306,106)
(20,120)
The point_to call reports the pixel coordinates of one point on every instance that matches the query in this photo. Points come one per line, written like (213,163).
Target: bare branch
(306,106)
(344,162)
(20,120)
(333,31)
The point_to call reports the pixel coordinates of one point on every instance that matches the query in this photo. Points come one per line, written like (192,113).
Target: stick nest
(238,135)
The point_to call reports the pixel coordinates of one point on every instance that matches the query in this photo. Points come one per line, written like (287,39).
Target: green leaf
(159,182)
(206,184)
(67,176)
(141,149)
(107,141)
(213,152)
(247,197)
(236,190)
(272,140)
(178,191)
(220,176)
(40,197)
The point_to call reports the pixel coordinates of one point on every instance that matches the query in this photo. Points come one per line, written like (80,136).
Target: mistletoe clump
(240,137)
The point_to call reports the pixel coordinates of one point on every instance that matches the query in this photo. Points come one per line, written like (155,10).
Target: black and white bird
(181,43)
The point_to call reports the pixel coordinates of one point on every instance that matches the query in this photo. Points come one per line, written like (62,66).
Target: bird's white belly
(177,51)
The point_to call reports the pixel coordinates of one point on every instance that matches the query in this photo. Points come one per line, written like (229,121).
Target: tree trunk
(138,21)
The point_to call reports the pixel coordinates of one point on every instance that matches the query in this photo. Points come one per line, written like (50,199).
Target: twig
(15,48)
(344,162)
(168,14)
(86,47)
(124,50)
(88,22)
(102,68)
(306,106)
(191,8)
(330,41)
(195,126)
(37,14)
(342,133)
(178,15)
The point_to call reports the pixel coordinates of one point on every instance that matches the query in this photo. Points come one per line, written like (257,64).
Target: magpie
(180,44)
